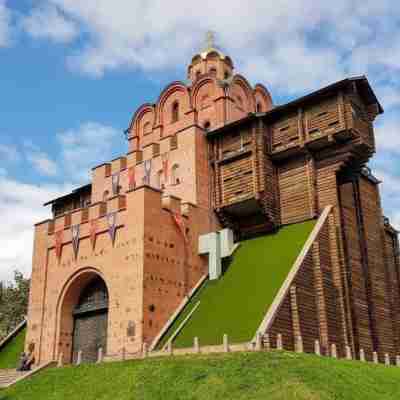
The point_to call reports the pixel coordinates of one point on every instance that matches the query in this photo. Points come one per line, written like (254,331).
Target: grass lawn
(237,303)
(9,355)
(237,376)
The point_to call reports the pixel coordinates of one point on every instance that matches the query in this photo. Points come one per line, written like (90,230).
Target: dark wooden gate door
(90,333)
(90,322)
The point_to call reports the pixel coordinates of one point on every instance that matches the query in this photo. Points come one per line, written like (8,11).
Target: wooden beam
(320,296)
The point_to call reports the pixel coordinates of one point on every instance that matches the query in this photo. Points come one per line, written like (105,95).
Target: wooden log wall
(326,291)
(268,175)
(392,262)
(351,281)
(358,119)
(357,272)
(242,170)
(236,142)
(323,118)
(310,307)
(234,167)
(327,194)
(283,324)
(310,123)
(307,301)
(342,116)
(372,221)
(285,132)
(237,180)
(294,191)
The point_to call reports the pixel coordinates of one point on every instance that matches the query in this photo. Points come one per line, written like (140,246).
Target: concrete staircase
(8,376)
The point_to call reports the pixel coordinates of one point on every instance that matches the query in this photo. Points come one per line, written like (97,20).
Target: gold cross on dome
(210,39)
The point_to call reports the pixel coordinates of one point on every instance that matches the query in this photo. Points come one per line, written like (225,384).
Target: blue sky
(73,73)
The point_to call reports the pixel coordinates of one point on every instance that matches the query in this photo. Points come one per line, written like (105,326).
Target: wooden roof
(362,84)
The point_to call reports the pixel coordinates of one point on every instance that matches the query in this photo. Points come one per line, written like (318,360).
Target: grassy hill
(237,376)
(9,355)
(236,303)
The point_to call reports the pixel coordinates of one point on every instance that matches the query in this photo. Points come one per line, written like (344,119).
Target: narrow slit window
(175,111)
(175,178)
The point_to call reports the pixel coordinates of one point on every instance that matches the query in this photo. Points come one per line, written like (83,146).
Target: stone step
(9,375)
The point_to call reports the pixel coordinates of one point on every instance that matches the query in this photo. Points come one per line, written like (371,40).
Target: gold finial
(210,40)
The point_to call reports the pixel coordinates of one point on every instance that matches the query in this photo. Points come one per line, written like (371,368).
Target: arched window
(207,125)
(213,71)
(175,111)
(258,107)
(175,179)
(105,195)
(198,74)
(226,75)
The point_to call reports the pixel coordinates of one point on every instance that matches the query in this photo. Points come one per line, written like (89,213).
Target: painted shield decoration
(112,225)
(75,229)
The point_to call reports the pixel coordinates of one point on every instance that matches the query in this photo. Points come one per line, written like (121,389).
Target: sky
(73,72)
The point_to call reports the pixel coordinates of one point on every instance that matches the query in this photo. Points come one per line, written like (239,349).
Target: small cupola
(210,61)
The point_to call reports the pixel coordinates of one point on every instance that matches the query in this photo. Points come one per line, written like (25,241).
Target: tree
(13,302)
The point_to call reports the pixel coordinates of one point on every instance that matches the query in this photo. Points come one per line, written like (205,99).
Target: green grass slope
(236,376)
(236,303)
(10,353)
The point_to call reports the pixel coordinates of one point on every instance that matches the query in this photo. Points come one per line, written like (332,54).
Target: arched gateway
(83,317)
(90,321)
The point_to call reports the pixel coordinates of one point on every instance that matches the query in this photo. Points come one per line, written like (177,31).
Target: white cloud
(387,133)
(390,193)
(47,22)
(43,164)
(21,203)
(389,96)
(396,220)
(9,153)
(85,147)
(292,45)
(5,24)
(21,206)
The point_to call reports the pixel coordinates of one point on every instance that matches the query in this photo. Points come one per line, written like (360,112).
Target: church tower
(210,61)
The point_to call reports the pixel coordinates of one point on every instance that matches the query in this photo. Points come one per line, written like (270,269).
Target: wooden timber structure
(285,166)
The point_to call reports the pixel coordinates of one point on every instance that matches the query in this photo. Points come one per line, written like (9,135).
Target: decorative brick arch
(263,97)
(68,299)
(175,92)
(207,90)
(201,83)
(239,86)
(144,114)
